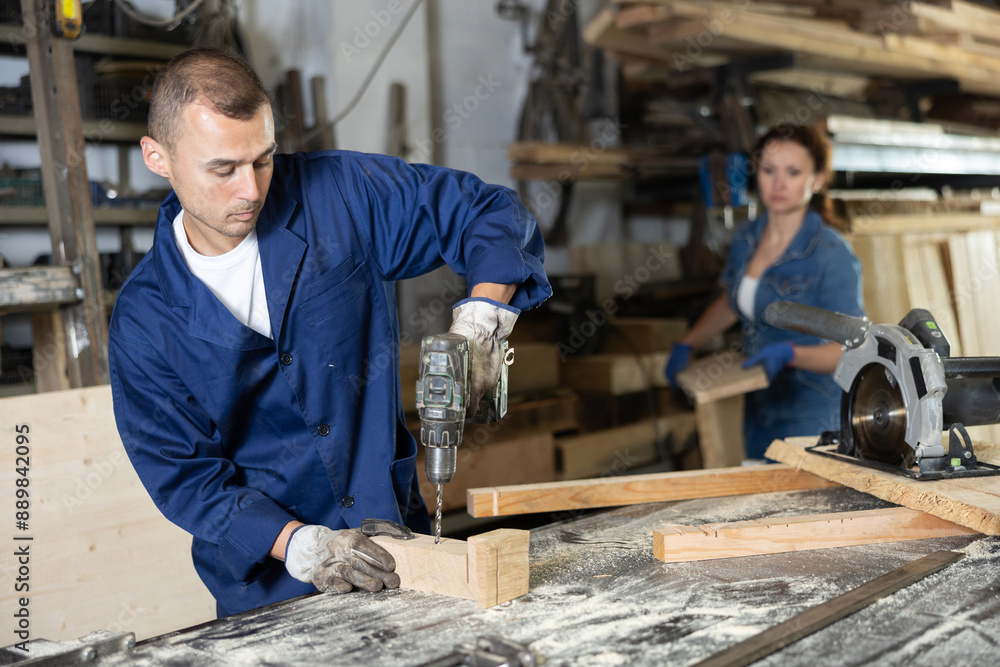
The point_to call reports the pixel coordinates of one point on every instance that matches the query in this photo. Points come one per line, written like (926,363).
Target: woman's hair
(814,141)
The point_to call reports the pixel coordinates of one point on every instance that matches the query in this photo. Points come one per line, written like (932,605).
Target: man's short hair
(217,78)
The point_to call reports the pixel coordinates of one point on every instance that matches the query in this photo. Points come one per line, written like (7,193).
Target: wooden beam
(972,501)
(37,288)
(720,376)
(676,543)
(636,489)
(56,100)
(489,569)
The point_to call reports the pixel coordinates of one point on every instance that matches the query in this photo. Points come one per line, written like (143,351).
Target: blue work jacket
(234,434)
(818,269)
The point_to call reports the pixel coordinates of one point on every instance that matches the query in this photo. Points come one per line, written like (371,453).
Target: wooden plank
(776,638)
(489,569)
(37,288)
(521,461)
(720,432)
(643,335)
(48,352)
(636,489)
(602,32)
(927,285)
(720,376)
(676,543)
(971,502)
(97,534)
(913,224)
(884,284)
(614,451)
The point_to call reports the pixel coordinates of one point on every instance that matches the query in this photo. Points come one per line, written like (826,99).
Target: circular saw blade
(878,418)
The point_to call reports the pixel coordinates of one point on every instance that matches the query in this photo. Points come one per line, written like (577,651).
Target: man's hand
(485,323)
(773,358)
(334,561)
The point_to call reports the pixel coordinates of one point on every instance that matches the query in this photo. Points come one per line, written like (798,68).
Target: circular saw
(901,392)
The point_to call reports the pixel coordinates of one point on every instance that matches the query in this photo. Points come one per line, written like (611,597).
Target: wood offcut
(489,569)
(675,544)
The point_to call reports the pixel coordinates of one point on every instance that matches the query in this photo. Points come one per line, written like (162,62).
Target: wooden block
(972,502)
(520,461)
(675,544)
(636,489)
(720,432)
(615,451)
(643,335)
(489,569)
(614,374)
(97,534)
(720,376)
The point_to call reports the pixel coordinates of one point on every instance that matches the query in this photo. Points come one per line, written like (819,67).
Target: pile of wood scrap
(899,40)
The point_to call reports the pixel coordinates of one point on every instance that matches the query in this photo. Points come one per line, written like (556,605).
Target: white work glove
(485,323)
(336,560)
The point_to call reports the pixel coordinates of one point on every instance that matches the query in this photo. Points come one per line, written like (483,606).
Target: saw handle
(844,329)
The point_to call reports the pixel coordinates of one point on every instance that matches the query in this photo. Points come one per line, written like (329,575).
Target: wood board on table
(973,502)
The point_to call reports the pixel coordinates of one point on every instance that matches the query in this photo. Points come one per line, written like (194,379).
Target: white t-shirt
(234,277)
(746,296)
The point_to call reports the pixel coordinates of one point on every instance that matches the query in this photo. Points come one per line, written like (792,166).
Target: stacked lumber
(569,162)
(947,264)
(628,415)
(901,40)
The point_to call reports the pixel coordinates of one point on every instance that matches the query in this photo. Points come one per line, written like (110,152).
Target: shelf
(103,215)
(114,46)
(94,131)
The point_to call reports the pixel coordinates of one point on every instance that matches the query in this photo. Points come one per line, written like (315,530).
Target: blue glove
(773,358)
(680,355)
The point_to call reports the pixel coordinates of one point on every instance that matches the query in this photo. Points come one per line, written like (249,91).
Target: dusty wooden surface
(599,597)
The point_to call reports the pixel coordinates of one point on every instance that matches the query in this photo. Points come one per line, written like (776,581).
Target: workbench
(599,597)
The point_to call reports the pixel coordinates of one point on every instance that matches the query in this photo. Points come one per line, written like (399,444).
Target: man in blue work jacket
(247,348)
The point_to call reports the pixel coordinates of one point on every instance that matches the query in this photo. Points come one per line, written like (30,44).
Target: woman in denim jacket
(791,253)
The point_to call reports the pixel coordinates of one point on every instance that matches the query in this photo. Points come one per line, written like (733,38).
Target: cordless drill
(443,389)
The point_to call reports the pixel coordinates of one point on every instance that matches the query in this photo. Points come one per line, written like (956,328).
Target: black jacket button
(348,501)
(323,430)
(286,359)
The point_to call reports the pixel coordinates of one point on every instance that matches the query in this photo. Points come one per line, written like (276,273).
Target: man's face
(220,169)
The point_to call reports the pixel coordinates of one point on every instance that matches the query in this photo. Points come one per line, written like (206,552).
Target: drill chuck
(439,464)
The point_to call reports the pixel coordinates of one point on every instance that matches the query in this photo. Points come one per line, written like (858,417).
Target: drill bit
(437,516)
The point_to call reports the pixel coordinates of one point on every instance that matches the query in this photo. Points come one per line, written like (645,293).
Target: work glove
(336,560)
(485,323)
(680,355)
(773,358)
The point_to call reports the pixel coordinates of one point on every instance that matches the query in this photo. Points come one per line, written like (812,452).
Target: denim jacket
(819,269)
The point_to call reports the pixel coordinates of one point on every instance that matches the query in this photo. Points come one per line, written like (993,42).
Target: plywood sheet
(970,502)
(96,533)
